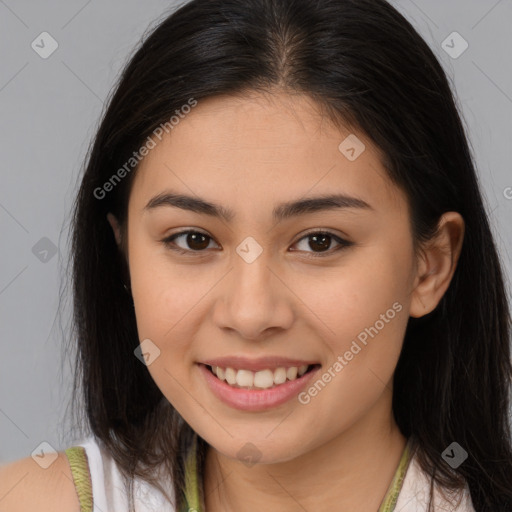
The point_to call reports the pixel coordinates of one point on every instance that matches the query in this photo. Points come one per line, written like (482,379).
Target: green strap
(389,502)
(80,470)
(192,503)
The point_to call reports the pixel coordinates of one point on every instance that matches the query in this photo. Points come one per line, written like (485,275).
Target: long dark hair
(365,65)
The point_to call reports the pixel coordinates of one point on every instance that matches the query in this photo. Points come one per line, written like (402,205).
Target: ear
(437,264)
(115,227)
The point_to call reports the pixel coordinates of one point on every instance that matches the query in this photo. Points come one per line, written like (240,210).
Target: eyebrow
(281,212)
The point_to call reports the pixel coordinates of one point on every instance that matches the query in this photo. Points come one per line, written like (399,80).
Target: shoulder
(26,486)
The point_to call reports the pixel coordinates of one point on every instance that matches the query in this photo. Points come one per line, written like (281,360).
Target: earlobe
(115,227)
(438,263)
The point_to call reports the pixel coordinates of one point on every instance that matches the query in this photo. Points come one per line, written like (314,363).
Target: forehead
(249,150)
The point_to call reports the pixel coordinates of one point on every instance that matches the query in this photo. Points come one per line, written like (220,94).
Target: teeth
(280,375)
(291,373)
(230,375)
(262,379)
(245,378)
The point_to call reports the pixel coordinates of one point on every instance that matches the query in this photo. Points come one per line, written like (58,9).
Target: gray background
(49,109)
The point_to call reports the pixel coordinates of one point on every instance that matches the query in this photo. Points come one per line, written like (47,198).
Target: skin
(341,450)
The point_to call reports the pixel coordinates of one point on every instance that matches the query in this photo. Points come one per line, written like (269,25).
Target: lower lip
(254,399)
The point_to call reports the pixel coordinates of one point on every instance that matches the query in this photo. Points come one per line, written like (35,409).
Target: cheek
(360,310)
(361,316)
(163,292)
(167,300)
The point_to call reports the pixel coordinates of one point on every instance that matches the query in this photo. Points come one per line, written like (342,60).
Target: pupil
(192,239)
(323,245)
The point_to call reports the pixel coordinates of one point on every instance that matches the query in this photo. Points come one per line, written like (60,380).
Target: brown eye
(195,240)
(320,242)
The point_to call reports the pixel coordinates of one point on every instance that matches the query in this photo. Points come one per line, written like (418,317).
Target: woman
(286,289)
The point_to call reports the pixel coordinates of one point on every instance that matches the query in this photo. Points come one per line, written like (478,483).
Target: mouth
(258,390)
(268,378)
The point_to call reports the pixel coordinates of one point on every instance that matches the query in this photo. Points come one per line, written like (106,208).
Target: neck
(349,472)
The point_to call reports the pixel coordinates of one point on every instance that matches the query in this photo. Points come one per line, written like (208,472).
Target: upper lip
(261,363)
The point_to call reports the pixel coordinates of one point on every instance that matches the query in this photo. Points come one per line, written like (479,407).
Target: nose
(254,300)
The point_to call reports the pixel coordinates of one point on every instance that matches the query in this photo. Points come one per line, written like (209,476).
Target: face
(328,286)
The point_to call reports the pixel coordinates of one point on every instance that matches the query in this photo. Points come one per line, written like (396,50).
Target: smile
(257,390)
(262,379)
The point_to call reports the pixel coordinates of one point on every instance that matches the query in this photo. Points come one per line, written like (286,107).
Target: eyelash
(169,243)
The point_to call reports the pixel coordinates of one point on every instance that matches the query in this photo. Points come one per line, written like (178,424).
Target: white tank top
(408,492)
(108,490)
